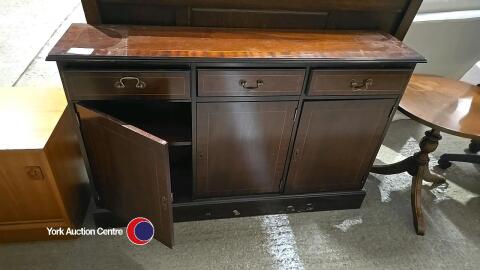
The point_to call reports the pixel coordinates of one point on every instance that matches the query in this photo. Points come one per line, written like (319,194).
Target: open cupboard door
(130,169)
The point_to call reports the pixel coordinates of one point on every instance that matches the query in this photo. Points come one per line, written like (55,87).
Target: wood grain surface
(29,115)
(131,170)
(391,16)
(156,42)
(43,181)
(110,84)
(342,81)
(444,104)
(328,133)
(258,82)
(242,146)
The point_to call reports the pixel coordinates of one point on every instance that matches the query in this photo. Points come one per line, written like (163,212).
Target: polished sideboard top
(117,42)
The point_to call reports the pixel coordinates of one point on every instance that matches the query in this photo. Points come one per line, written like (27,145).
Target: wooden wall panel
(252,18)
(393,16)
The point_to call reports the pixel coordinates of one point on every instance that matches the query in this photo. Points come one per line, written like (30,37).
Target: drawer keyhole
(34,172)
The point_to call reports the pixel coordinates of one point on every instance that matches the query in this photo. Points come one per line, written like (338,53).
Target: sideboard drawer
(358,82)
(111,84)
(251,82)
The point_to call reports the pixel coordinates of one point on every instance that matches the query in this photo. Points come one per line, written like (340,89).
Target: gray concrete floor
(380,235)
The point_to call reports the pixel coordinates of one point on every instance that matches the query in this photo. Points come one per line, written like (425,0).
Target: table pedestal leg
(417,167)
(445,160)
(474,146)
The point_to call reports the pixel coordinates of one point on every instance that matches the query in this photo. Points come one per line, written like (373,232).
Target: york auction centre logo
(140,231)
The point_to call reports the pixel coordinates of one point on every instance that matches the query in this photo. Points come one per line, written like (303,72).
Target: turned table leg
(417,167)
(428,144)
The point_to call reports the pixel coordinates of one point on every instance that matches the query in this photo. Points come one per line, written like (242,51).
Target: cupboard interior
(170,121)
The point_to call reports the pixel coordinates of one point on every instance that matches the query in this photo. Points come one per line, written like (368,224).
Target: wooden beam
(408,17)
(92,12)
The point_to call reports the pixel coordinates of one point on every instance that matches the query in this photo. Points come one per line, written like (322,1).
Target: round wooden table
(446,106)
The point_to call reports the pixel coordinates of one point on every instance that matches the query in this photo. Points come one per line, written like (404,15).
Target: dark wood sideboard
(188,123)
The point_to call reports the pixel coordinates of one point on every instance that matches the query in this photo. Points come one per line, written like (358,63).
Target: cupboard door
(130,169)
(336,144)
(242,147)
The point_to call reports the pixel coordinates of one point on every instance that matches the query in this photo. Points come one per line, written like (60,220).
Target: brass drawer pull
(140,84)
(243,83)
(356,86)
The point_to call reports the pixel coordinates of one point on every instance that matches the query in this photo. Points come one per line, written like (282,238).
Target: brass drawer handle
(356,86)
(140,84)
(243,84)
